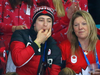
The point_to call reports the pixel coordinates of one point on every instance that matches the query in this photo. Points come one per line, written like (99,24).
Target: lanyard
(97,61)
(44,52)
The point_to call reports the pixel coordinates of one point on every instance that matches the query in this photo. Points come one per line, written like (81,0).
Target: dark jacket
(27,56)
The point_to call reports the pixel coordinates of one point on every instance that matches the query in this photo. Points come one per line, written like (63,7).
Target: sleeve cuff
(38,44)
(36,49)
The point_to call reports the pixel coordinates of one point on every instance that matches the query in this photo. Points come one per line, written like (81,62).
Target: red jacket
(19,16)
(83,4)
(1,2)
(27,56)
(3,27)
(77,61)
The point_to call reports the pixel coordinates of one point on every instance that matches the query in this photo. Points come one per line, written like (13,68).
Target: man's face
(43,22)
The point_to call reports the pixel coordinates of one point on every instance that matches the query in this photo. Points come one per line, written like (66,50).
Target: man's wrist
(37,44)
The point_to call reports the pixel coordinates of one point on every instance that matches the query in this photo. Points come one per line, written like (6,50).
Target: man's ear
(34,25)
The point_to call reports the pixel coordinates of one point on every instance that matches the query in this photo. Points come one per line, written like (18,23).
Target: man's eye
(75,25)
(40,20)
(49,21)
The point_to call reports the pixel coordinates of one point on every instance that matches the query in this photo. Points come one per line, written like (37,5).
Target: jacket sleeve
(1,10)
(22,53)
(4,19)
(83,4)
(61,24)
(5,28)
(65,47)
(62,47)
(55,69)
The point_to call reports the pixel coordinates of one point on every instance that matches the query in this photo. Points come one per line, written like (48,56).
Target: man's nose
(45,23)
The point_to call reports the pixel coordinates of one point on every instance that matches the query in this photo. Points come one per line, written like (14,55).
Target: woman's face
(81,28)
(43,22)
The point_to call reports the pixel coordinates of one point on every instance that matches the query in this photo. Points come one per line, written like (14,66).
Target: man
(34,51)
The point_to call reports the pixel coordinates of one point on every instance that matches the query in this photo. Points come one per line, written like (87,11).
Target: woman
(82,45)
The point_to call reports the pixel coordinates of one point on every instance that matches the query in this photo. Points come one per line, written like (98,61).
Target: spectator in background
(17,15)
(4,27)
(3,54)
(1,9)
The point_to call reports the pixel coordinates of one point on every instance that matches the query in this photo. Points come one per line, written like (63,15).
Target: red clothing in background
(22,15)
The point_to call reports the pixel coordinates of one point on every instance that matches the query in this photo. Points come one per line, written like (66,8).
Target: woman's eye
(84,23)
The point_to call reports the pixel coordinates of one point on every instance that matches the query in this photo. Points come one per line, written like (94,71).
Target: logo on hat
(44,11)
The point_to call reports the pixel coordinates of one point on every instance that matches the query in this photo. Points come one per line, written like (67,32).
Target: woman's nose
(80,26)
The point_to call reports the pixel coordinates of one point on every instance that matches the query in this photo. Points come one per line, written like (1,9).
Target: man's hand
(43,35)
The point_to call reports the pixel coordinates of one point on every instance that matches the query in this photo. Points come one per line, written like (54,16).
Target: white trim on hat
(43,8)
(44,14)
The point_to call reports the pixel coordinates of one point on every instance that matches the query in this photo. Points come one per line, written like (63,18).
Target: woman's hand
(97,72)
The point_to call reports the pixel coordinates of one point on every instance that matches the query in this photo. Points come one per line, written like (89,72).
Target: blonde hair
(92,31)
(67,71)
(59,8)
